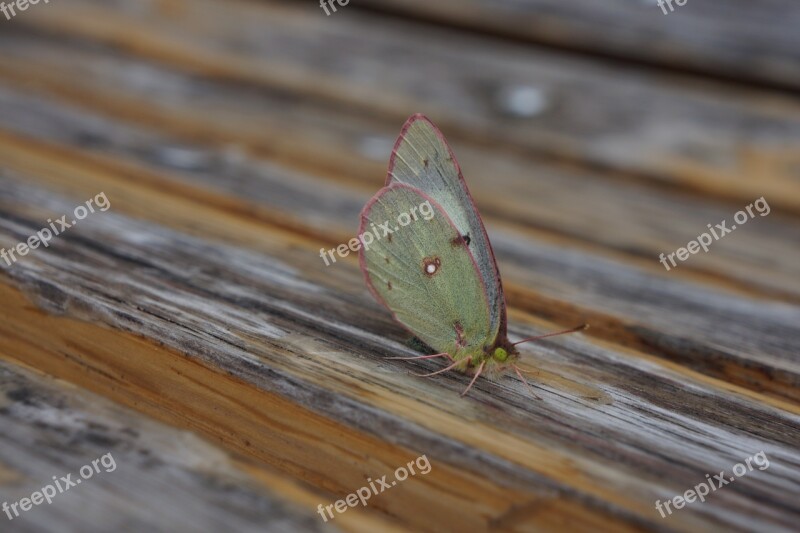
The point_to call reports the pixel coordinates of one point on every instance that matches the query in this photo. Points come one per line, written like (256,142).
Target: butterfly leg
(471,383)
(445,354)
(525,381)
(455,363)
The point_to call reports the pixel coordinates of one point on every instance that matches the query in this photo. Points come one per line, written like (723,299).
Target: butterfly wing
(422,159)
(423,274)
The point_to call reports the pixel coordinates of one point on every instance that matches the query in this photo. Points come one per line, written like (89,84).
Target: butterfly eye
(500,354)
(430,265)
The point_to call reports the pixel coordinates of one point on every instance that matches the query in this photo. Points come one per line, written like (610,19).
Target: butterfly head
(500,356)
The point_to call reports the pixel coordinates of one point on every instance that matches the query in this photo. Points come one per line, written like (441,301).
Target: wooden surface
(157,478)
(194,332)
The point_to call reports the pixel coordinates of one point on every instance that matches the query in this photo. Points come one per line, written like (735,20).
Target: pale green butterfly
(437,276)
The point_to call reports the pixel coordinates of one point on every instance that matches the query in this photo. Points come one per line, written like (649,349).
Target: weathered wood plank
(321,451)
(616,431)
(234,141)
(566,284)
(636,220)
(753,42)
(149,477)
(709,137)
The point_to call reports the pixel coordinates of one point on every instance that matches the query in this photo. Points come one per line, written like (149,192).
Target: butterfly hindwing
(423,160)
(424,273)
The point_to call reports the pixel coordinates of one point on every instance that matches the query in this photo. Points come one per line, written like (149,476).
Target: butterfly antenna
(525,381)
(418,357)
(440,371)
(573,330)
(474,379)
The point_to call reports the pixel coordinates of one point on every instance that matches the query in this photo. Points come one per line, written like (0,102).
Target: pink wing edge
(502,331)
(362,261)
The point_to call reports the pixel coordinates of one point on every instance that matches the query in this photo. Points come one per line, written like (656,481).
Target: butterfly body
(437,274)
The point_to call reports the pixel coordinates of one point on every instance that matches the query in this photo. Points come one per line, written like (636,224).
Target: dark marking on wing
(389,285)
(425,163)
(390,237)
(460,240)
(460,342)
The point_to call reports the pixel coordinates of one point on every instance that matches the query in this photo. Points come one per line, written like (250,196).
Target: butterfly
(438,276)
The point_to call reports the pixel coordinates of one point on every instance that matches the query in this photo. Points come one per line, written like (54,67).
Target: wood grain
(638,221)
(233,143)
(149,477)
(727,40)
(735,143)
(268,335)
(627,300)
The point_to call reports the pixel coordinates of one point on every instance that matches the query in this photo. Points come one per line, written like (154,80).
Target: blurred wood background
(193,331)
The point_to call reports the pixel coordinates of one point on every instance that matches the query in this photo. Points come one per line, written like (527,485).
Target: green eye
(500,354)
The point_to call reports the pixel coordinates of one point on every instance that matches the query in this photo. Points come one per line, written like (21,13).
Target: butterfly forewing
(424,274)
(422,159)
